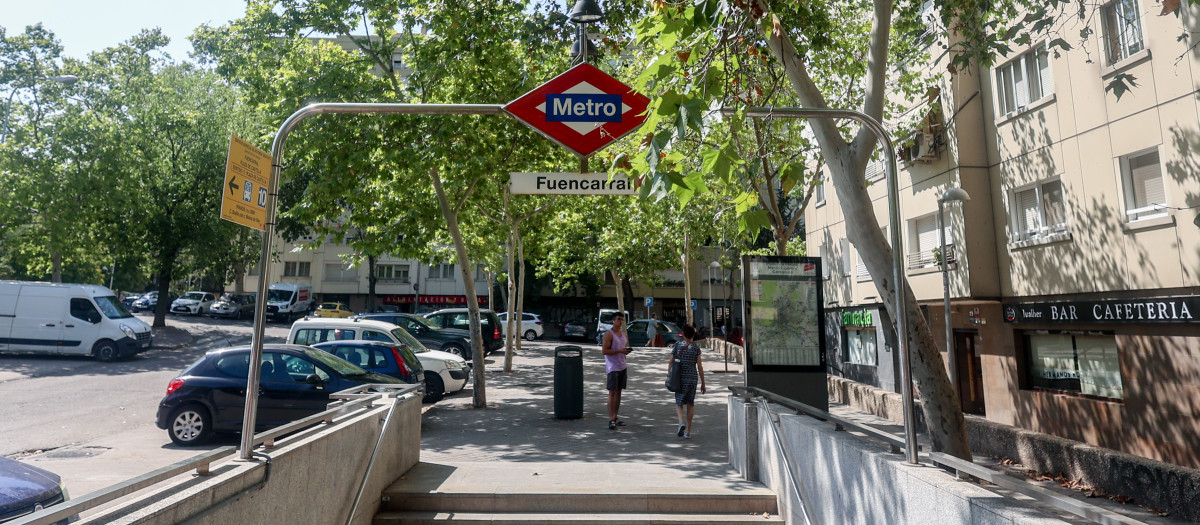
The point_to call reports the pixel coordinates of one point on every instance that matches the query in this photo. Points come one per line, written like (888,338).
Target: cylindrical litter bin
(568,382)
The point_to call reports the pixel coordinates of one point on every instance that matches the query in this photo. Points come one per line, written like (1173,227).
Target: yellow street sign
(247,184)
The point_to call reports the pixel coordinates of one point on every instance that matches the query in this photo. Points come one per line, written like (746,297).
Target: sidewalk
(516,442)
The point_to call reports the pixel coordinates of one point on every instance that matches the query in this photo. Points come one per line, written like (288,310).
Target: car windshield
(424,321)
(196,296)
(404,337)
(279,295)
(339,365)
(112,308)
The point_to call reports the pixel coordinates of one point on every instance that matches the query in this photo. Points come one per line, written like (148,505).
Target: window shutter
(1054,204)
(1044,73)
(861,269)
(1147,180)
(846,261)
(926,228)
(1020,83)
(1006,89)
(1026,212)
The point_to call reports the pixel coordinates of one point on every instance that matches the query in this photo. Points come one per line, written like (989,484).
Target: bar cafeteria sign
(1156,310)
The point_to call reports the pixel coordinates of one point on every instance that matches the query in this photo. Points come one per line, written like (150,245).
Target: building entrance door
(970,371)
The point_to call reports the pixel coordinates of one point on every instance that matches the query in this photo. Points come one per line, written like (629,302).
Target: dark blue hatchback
(379,357)
(210,395)
(25,489)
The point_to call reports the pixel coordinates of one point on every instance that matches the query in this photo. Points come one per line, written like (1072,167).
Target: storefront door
(970,372)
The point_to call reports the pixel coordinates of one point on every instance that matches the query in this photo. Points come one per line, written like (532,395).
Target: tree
(712,54)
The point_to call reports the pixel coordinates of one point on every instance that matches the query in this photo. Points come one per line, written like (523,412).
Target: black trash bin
(568,382)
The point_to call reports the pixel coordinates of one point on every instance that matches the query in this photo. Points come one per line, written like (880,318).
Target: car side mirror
(314,379)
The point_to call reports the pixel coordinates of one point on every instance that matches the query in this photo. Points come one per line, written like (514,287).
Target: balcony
(930,259)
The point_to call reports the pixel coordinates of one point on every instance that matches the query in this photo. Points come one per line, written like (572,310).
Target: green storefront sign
(857,318)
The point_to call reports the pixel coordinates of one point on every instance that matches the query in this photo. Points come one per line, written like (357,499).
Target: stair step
(545,518)
(751,502)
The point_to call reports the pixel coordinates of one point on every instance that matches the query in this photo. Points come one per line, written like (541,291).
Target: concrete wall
(313,478)
(845,480)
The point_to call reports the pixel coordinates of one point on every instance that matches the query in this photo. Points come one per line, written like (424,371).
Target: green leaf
(1061,44)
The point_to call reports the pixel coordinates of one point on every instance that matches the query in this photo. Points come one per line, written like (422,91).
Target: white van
(288,301)
(604,322)
(83,319)
(444,372)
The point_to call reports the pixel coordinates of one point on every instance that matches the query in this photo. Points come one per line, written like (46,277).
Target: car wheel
(435,389)
(189,425)
(200,311)
(457,350)
(530,335)
(106,351)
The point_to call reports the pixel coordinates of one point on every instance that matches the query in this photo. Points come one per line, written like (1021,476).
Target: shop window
(1122,29)
(1024,80)
(1077,363)
(860,346)
(1038,211)
(1145,196)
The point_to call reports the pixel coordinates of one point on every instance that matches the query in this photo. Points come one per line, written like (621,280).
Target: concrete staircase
(593,500)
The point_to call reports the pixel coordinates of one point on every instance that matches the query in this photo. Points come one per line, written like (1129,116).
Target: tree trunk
(687,281)
(519,314)
(510,302)
(627,291)
(239,281)
(165,268)
(618,289)
(371,280)
(939,402)
(479,400)
(55,266)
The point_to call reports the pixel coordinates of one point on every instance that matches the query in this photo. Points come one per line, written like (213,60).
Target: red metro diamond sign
(582,110)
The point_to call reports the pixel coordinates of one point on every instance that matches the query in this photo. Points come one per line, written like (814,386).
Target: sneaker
(687,435)
(680,431)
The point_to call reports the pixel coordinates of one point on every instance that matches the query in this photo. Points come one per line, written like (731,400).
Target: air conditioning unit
(923,149)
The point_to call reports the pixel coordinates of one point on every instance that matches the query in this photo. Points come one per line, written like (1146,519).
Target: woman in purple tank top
(615,347)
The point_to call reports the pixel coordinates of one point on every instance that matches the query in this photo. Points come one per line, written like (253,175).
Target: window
(335,272)
(1144,192)
(442,271)
(1122,29)
(392,272)
(819,190)
(1038,211)
(84,310)
(860,346)
(296,269)
(923,242)
(1078,363)
(253,271)
(480,275)
(312,336)
(874,170)
(1024,80)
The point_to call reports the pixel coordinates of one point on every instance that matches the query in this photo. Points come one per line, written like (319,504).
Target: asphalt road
(92,422)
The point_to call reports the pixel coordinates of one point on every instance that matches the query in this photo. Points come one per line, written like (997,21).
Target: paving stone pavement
(519,424)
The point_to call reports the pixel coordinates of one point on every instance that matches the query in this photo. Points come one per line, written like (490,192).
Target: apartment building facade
(1075,267)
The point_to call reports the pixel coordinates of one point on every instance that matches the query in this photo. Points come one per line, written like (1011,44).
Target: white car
(531,326)
(194,303)
(444,372)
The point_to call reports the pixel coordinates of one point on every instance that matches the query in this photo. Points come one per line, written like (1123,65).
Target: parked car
(386,309)
(234,306)
(129,299)
(79,319)
(25,489)
(531,325)
(333,311)
(493,338)
(193,303)
(637,332)
(449,340)
(210,395)
(576,329)
(444,372)
(149,301)
(379,357)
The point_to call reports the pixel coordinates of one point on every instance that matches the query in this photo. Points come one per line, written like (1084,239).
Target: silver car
(233,306)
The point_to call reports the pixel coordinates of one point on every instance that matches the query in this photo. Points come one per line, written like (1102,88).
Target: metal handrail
(1074,506)
(356,398)
(787,460)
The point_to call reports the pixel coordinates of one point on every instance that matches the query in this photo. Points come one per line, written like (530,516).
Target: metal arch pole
(889,153)
(256,347)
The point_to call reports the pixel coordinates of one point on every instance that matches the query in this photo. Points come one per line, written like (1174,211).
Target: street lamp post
(711,327)
(958,195)
(65,80)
